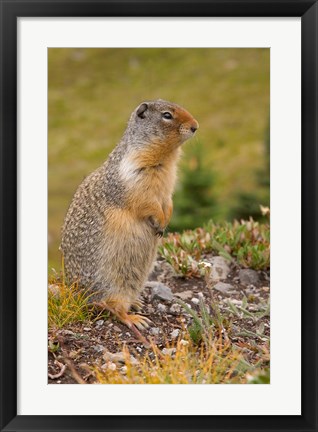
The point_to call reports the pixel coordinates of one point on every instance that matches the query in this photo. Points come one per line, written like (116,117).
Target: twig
(73,371)
(62,370)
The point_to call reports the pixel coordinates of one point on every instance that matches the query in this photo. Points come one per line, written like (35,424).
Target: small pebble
(236,302)
(154,331)
(223,287)
(175,308)
(184,342)
(117,329)
(159,291)
(68,332)
(219,268)
(118,357)
(195,300)
(248,276)
(99,323)
(98,348)
(184,295)
(161,307)
(111,366)
(87,329)
(175,333)
(169,351)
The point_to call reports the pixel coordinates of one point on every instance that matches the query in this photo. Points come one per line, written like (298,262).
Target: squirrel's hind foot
(132,321)
(139,321)
(137,305)
(135,322)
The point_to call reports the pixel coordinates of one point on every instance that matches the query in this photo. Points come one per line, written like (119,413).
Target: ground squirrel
(110,233)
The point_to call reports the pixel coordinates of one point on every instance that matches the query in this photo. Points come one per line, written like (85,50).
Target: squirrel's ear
(141,110)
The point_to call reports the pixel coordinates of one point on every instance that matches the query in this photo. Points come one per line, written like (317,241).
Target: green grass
(245,242)
(93,91)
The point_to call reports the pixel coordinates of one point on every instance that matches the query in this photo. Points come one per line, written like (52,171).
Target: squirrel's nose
(195,126)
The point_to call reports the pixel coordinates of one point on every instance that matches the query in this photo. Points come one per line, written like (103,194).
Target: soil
(85,343)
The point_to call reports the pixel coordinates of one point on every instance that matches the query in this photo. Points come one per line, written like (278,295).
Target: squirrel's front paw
(155,226)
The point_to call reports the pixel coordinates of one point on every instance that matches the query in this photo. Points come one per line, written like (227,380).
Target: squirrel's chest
(158,179)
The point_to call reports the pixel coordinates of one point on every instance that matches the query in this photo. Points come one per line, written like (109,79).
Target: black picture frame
(10,11)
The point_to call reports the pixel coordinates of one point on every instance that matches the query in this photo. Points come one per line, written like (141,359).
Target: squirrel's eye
(167,115)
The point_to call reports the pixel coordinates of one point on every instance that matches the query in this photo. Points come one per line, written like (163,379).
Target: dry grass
(187,364)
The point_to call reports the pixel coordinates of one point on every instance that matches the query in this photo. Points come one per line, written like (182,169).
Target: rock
(219,268)
(162,307)
(222,287)
(175,308)
(69,332)
(184,342)
(236,302)
(159,291)
(114,357)
(248,277)
(111,366)
(169,351)
(184,295)
(87,329)
(175,333)
(150,309)
(99,323)
(117,329)
(118,357)
(98,348)
(154,331)
(195,301)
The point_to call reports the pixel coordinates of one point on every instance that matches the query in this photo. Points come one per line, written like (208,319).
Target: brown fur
(109,237)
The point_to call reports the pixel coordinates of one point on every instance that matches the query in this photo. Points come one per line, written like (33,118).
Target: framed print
(201,289)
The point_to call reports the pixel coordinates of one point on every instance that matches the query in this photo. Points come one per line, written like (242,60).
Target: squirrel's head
(161,122)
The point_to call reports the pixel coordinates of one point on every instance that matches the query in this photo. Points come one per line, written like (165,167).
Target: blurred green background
(224,172)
